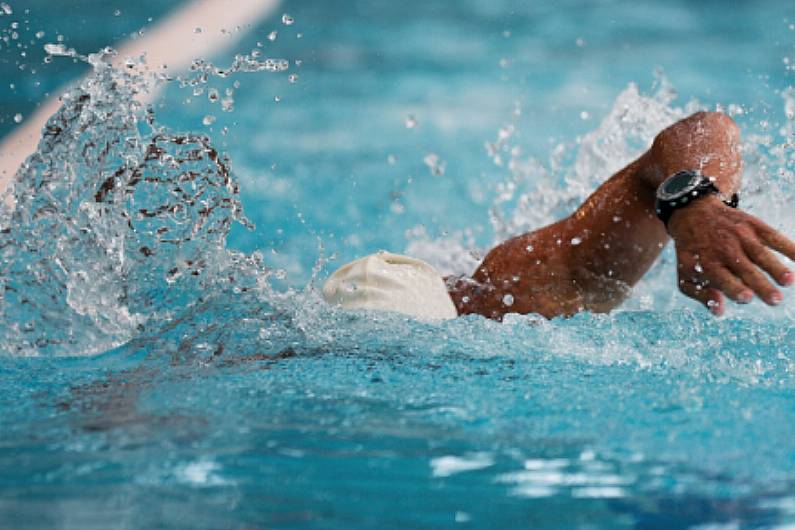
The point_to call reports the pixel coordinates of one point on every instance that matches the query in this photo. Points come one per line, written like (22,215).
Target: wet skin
(590,260)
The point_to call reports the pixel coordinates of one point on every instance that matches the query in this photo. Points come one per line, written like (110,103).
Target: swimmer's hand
(724,251)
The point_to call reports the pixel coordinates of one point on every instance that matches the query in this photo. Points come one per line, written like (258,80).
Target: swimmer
(684,188)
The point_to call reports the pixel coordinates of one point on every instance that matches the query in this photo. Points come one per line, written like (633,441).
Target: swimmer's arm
(590,260)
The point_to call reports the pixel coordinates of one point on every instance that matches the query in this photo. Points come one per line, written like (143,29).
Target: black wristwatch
(683,188)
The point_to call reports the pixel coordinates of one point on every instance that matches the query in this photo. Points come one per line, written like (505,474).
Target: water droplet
(208,120)
(504,63)
(435,164)
(529,248)
(6,9)
(117,13)
(580,42)
(40,34)
(390,159)
(735,110)
(507,300)
(277,99)
(56,49)
(197,30)
(272,35)
(410,122)
(299,36)
(584,115)
(575,241)
(213,95)
(18,118)
(287,20)
(293,78)
(699,268)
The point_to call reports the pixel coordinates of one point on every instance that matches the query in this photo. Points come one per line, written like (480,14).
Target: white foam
(445,466)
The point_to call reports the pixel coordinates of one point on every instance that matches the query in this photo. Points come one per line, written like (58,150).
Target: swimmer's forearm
(589,260)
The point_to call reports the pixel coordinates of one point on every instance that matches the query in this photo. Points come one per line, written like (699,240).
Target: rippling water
(165,364)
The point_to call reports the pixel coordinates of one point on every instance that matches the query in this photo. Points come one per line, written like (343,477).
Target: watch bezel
(695,180)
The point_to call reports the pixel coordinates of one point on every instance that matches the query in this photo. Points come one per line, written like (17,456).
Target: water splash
(119,225)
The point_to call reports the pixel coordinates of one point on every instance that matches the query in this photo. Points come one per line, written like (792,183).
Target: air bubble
(575,241)
(117,13)
(507,300)
(287,20)
(410,122)
(292,78)
(39,34)
(272,35)
(197,30)
(6,9)
(529,248)
(208,120)
(18,118)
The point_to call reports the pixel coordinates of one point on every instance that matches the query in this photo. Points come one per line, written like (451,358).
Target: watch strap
(666,208)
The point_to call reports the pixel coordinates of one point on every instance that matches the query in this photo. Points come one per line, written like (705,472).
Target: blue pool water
(203,383)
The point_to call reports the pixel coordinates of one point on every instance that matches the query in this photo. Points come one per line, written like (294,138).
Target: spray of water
(119,224)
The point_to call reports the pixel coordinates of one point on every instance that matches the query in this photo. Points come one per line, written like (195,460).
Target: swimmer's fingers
(774,239)
(751,276)
(694,282)
(729,284)
(708,282)
(764,258)
(711,298)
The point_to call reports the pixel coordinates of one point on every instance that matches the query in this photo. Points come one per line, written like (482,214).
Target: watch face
(678,185)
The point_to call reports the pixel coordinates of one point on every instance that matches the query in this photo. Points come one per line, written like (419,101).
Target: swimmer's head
(389,282)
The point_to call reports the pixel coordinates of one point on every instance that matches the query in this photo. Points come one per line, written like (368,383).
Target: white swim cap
(390,282)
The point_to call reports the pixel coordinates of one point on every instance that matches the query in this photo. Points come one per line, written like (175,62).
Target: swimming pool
(248,403)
